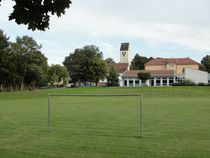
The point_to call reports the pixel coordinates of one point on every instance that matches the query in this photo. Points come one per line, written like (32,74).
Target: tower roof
(124,47)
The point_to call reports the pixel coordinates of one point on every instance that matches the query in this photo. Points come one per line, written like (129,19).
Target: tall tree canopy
(144,76)
(22,65)
(56,74)
(110,61)
(36,13)
(31,63)
(86,65)
(138,62)
(205,63)
(5,60)
(112,77)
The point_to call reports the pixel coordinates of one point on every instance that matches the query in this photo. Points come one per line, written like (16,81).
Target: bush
(185,83)
(202,84)
(188,83)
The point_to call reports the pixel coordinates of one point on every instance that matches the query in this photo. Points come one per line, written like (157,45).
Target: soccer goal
(138,103)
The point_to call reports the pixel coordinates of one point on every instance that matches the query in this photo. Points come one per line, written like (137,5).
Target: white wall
(196,75)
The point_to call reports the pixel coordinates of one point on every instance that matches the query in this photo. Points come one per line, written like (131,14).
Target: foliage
(86,65)
(56,74)
(144,76)
(36,14)
(22,65)
(99,69)
(185,83)
(112,77)
(205,63)
(110,61)
(202,84)
(138,62)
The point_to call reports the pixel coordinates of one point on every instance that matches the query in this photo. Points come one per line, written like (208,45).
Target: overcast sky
(157,28)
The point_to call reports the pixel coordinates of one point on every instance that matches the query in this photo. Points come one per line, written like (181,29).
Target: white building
(158,78)
(164,71)
(209,77)
(196,76)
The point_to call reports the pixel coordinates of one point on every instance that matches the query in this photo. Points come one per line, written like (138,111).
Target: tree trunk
(22,85)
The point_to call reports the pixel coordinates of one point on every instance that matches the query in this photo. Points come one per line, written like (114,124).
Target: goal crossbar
(98,95)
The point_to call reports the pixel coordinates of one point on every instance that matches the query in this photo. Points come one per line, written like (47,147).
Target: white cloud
(157,22)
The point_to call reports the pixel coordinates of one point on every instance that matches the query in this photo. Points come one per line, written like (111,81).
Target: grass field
(176,124)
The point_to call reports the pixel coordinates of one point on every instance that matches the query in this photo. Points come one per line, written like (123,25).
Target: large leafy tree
(99,69)
(31,64)
(205,63)
(5,59)
(22,64)
(144,76)
(36,13)
(110,61)
(138,62)
(56,74)
(86,65)
(112,77)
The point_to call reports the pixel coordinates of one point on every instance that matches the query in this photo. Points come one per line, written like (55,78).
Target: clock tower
(125,53)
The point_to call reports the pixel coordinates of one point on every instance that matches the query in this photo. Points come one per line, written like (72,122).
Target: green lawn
(176,124)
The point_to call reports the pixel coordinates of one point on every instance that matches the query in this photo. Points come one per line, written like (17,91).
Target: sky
(154,28)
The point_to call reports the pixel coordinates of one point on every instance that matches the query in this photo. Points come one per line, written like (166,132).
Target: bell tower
(125,53)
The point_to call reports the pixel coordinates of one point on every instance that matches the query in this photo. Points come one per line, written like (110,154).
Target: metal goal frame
(99,95)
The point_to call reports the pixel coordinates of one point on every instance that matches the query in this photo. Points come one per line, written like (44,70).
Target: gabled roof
(178,61)
(154,73)
(124,47)
(119,67)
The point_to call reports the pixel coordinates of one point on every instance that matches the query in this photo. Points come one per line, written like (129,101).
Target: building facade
(195,75)
(158,78)
(163,71)
(176,64)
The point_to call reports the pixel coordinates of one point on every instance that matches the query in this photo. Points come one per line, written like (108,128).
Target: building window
(125,82)
(164,81)
(130,83)
(171,81)
(137,82)
(157,81)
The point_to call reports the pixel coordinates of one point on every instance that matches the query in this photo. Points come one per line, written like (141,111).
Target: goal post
(99,95)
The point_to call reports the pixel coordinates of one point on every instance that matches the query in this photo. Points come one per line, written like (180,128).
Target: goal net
(98,114)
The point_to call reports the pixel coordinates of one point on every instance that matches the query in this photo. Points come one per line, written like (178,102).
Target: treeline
(23,65)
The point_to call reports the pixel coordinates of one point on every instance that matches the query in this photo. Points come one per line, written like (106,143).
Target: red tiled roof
(119,67)
(178,61)
(154,73)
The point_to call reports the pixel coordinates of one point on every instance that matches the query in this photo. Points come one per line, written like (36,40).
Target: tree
(85,65)
(144,76)
(112,77)
(31,64)
(205,63)
(8,76)
(110,61)
(99,69)
(56,74)
(138,62)
(36,13)
(22,64)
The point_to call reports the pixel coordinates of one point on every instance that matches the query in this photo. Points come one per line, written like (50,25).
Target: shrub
(185,83)
(188,83)
(202,84)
